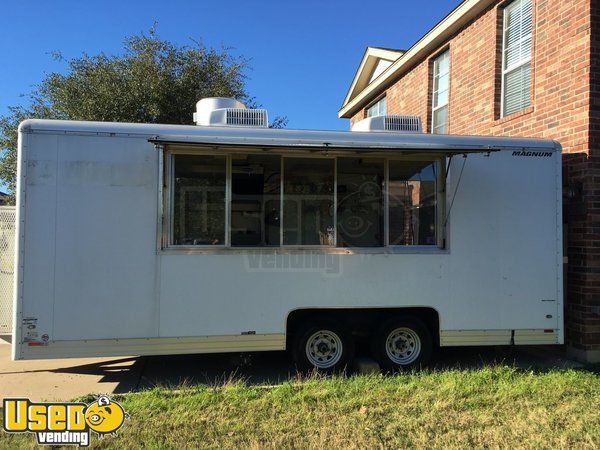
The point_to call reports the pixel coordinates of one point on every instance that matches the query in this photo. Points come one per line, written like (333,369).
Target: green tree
(152,81)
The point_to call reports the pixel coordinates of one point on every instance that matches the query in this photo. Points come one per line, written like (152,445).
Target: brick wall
(587,302)
(565,107)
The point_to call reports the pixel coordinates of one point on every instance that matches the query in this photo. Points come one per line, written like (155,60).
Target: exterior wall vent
(247,117)
(402,124)
(223,111)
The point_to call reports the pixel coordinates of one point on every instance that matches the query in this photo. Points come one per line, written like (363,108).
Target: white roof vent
(406,124)
(224,111)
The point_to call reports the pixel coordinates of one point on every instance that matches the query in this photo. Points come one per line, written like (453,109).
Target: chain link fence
(7,269)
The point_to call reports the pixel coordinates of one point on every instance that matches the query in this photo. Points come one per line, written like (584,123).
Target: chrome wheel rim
(403,346)
(324,349)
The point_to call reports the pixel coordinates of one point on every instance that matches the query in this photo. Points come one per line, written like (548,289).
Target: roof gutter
(460,16)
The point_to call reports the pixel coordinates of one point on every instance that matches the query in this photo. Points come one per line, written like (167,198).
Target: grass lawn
(489,407)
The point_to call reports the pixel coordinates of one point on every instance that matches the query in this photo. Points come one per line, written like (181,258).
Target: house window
(441,89)
(234,199)
(516,57)
(378,109)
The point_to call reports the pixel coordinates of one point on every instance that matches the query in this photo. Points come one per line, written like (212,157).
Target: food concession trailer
(229,236)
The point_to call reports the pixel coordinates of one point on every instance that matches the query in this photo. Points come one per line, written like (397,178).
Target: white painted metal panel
(503,242)
(239,293)
(39,239)
(105,239)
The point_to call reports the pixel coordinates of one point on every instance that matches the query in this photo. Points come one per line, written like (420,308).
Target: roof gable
(375,61)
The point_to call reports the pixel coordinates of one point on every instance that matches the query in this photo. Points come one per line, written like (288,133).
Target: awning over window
(312,146)
(352,141)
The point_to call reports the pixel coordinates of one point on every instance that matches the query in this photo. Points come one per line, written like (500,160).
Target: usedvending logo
(63,423)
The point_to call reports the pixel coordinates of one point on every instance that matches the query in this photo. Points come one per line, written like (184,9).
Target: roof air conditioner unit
(223,111)
(403,124)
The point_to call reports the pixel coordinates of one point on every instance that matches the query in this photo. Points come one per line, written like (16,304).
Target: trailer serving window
(199,200)
(255,200)
(235,199)
(413,202)
(360,202)
(308,201)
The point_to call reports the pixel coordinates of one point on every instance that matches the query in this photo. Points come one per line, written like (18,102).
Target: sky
(303,54)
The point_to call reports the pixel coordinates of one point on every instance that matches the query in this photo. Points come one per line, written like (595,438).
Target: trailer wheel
(402,343)
(323,346)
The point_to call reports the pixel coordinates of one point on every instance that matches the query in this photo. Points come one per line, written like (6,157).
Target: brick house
(517,68)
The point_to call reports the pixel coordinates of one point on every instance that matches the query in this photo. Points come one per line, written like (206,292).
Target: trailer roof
(290,138)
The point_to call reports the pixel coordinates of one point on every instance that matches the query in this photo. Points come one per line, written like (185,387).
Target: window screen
(516,58)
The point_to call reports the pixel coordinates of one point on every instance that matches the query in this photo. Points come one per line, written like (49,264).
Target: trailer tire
(323,346)
(401,343)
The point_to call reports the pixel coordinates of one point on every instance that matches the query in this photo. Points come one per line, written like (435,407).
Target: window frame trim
(515,66)
(166,207)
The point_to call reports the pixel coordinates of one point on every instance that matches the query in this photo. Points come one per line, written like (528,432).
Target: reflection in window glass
(255,201)
(199,200)
(308,201)
(412,202)
(360,202)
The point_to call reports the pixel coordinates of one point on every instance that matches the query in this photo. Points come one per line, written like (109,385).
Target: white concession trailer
(229,236)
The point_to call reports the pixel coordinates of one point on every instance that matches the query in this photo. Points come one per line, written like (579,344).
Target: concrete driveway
(65,379)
